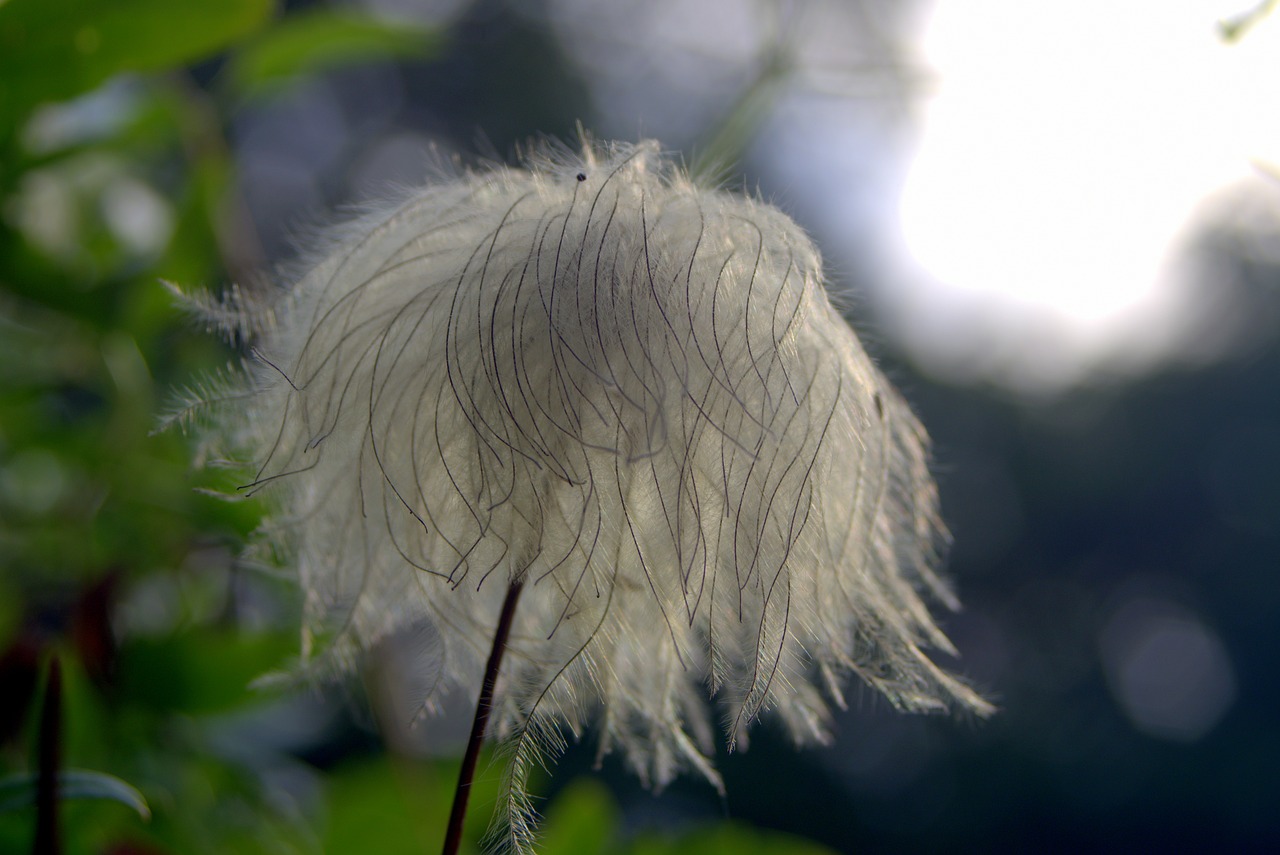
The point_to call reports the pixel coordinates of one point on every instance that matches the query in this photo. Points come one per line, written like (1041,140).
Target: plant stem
(48,762)
(484,705)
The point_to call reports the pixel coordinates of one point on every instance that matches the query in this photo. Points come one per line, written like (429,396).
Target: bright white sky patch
(1066,148)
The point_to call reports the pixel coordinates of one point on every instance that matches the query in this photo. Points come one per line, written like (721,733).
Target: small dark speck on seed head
(879,405)
(582,176)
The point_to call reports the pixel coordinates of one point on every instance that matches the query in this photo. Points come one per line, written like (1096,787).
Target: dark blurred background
(1116,517)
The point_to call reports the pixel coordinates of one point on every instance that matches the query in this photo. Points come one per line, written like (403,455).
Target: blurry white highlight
(1170,674)
(633,395)
(1064,154)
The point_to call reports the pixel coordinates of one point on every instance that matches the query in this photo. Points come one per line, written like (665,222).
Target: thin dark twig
(453,837)
(49,761)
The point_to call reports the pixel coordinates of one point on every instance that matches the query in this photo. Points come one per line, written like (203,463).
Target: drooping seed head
(631,393)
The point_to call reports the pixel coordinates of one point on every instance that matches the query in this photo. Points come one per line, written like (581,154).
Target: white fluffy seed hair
(630,393)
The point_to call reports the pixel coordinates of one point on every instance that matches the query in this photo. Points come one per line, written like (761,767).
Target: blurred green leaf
(729,839)
(19,791)
(199,671)
(377,806)
(314,41)
(582,821)
(51,50)
(741,123)
(1233,29)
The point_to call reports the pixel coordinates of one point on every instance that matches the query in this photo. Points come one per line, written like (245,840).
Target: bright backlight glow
(1066,148)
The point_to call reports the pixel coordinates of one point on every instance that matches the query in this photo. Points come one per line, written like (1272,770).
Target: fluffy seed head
(632,394)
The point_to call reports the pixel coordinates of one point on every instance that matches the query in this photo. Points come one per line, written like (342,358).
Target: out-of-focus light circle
(137,215)
(1066,149)
(1169,673)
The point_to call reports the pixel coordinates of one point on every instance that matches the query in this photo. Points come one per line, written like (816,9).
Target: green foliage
(322,39)
(19,791)
(583,819)
(1234,28)
(54,49)
(728,839)
(204,671)
(109,554)
(402,807)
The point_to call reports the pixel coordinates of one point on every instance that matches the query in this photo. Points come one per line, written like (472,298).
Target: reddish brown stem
(484,706)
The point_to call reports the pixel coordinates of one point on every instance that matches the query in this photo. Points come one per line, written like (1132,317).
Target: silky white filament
(630,393)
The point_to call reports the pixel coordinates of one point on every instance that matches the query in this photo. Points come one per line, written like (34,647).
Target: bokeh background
(1057,226)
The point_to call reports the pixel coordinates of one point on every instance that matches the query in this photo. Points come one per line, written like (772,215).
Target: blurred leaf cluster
(114,176)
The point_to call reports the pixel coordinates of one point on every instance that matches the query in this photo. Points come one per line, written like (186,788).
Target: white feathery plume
(632,395)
